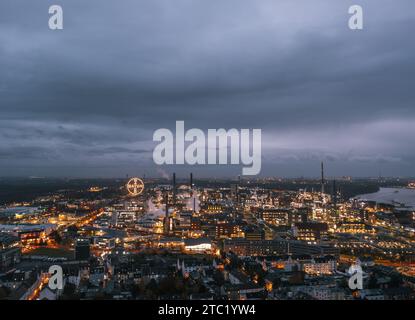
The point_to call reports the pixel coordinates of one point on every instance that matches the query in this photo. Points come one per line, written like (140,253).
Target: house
(321,265)
(49,294)
(237,277)
(401,293)
(372,294)
(239,291)
(202,296)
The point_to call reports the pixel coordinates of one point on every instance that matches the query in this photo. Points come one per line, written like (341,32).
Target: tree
(56,237)
(4,293)
(152,288)
(372,283)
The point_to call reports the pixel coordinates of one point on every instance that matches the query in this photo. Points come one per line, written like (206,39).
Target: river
(391,196)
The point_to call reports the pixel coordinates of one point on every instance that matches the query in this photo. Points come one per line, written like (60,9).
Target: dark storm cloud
(94,92)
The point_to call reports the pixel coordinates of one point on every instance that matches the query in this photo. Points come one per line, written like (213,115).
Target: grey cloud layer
(94,93)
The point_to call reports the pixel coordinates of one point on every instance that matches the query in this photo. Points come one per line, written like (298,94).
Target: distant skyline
(183,175)
(85,101)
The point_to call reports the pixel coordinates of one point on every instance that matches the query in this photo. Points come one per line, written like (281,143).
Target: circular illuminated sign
(135,186)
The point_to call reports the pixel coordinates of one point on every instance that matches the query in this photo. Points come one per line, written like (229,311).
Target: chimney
(167,204)
(174,188)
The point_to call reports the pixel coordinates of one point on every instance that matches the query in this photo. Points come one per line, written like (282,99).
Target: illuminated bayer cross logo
(135,186)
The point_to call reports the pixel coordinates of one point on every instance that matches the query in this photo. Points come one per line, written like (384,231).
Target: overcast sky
(85,101)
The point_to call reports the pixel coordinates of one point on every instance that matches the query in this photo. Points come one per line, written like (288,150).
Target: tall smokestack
(322,177)
(334,200)
(174,188)
(167,204)
(191,180)
(194,204)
